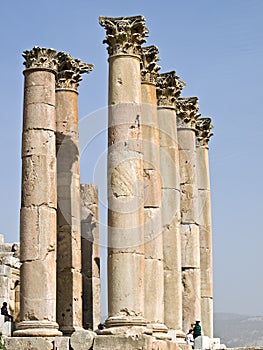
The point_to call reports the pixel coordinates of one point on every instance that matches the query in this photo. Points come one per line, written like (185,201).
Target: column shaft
(69,278)
(205,225)
(69,291)
(39,197)
(168,88)
(90,255)
(186,116)
(125,172)
(153,246)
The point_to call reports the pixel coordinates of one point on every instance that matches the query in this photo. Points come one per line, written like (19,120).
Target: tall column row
(158,236)
(50,177)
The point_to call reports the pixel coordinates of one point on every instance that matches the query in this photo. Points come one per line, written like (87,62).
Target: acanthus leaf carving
(168,88)
(149,68)
(124,35)
(70,70)
(203,131)
(186,111)
(41,58)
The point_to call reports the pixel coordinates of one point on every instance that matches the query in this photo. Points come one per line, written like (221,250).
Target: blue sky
(216,47)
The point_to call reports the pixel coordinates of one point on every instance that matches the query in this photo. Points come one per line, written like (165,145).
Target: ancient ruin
(159,209)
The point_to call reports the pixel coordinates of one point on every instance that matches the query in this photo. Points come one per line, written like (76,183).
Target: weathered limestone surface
(168,89)
(124,37)
(131,341)
(203,135)
(69,279)
(90,255)
(10,276)
(82,340)
(153,247)
(39,197)
(28,343)
(186,109)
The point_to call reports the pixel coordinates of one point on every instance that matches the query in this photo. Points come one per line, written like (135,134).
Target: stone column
(169,88)
(203,135)
(153,246)
(125,172)
(186,122)
(39,197)
(90,255)
(69,278)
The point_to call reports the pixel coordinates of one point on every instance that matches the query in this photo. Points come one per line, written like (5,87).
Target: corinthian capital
(70,70)
(40,58)
(149,68)
(186,110)
(203,131)
(168,88)
(124,35)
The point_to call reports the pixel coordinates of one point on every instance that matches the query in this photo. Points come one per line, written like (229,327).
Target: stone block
(38,275)
(207,315)
(42,78)
(172,245)
(35,222)
(190,246)
(153,233)
(91,302)
(202,342)
(151,150)
(169,165)
(170,206)
(125,289)
(39,181)
(204,208)
(36,142)
(125,231)
(202,169)
(124,81)
(39,116)
(186,139)
(165,345)
(40,94)
(28,343)
(82,340)
(191,296)
(67,111)
(61,343)
(189,203)
(152,188)
(187,167)
(153,290)
(120,342)
(167,127)
(173,299)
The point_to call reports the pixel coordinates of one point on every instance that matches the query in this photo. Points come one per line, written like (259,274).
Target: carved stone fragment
(125,35)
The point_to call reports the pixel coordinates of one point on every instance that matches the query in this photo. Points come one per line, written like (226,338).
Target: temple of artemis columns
(159,211)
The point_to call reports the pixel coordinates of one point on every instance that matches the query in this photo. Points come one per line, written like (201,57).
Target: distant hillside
(238,330)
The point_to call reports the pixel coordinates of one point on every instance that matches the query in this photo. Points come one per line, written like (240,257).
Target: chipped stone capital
(168,88)
(149,68)
(124,35)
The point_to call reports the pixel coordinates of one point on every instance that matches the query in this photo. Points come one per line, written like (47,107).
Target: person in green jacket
(197,329)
